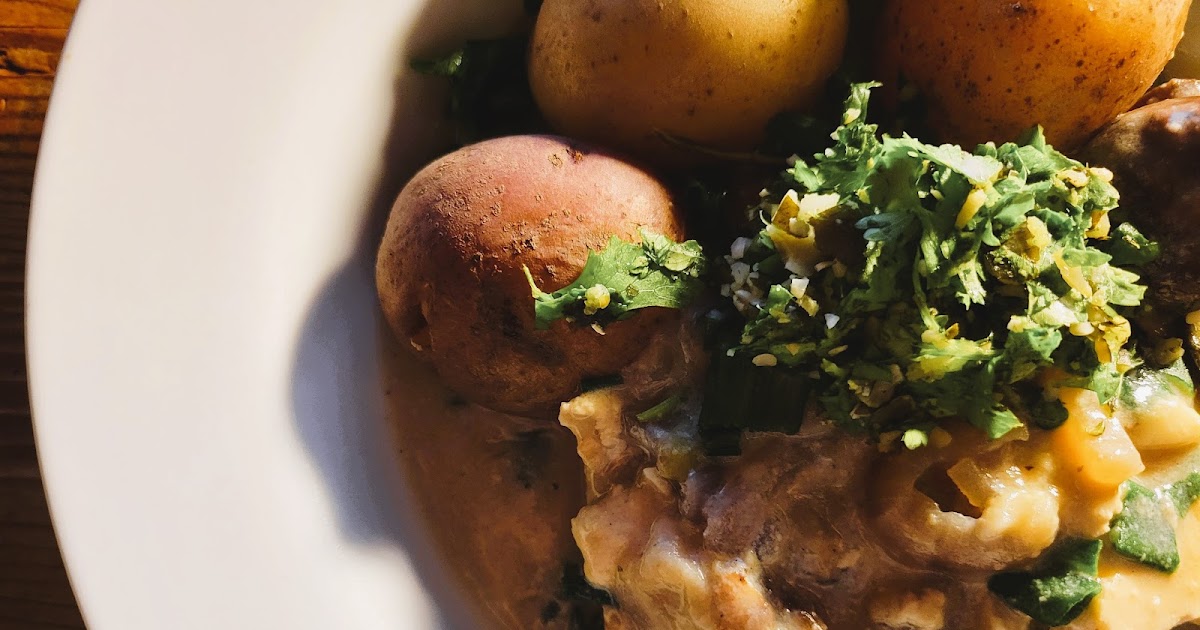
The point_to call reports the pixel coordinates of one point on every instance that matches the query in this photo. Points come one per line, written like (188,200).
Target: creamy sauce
(1137,597)
(781,537)
(794,534)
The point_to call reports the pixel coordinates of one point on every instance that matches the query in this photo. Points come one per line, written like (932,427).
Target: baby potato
(709,71)
(1153,152)
(450,267)
(990,69)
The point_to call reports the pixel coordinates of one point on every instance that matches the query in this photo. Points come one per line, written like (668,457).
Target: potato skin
(711,71)
(449,271)
(1153,152)
(990,69)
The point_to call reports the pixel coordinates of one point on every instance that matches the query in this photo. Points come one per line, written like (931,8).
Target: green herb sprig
(1059,589)
(622,278)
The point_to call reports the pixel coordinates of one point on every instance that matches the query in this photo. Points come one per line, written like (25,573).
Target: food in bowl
(898,385)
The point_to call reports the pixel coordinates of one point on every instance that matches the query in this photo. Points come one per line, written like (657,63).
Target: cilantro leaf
(1128,246)
(1144,530)
(1143,384)
(1141,531)
(1028,350)
(445,66)
(843,165)
(978,169)
(681,259)
(1059,589)
(623,278)
(1049,413)
(1184,493)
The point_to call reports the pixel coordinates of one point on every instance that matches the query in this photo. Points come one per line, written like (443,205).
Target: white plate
(202,330)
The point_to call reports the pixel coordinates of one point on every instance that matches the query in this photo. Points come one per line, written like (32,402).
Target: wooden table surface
(34,592)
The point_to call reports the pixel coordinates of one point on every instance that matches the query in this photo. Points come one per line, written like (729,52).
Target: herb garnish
(1142,532)
(916,282)
(1184,493)
(1059,589)
(623,278)
(1143,384)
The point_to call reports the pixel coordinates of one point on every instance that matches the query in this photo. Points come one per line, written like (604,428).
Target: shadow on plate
(338,370)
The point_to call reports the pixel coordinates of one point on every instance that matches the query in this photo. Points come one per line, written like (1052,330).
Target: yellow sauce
(500,493)
(1137,597)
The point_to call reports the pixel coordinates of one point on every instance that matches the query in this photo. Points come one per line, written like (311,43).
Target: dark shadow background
(337,375)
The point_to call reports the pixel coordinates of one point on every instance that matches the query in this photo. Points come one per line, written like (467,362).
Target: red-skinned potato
(450,278)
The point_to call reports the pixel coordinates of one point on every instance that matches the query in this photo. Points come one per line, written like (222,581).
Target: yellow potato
(711,71)
(1169,422)
(1092,446)
(990,69)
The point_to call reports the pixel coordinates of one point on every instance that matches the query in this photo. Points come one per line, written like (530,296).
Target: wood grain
(34,591)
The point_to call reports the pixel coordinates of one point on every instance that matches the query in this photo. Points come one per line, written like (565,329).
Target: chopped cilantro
(1047,412)
(446,66)
(1128,246)
(921,282)
(623,278)
(1059,589)
(662,409)
(1143,384)
(1142,532)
